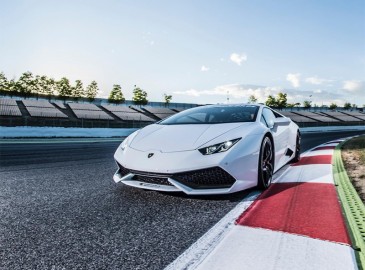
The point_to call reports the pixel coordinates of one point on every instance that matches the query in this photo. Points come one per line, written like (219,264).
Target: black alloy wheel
(296,157)
(266,164)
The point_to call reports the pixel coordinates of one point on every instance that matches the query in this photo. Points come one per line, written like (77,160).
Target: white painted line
(314,173)
(318,153)
(196,253)
(256,249)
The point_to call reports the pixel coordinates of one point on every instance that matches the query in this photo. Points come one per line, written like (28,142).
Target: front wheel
(266,164)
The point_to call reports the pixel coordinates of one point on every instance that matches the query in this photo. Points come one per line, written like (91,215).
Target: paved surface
(60,209)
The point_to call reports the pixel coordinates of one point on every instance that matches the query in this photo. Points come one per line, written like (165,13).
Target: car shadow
(232,197)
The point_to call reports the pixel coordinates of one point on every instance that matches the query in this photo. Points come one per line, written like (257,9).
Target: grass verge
(353,207)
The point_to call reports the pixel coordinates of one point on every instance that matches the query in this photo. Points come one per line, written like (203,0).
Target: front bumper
(213,180)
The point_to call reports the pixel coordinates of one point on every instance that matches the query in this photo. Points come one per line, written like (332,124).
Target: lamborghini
(213,149)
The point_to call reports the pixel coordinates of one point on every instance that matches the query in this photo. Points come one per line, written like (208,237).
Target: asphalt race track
(60,209)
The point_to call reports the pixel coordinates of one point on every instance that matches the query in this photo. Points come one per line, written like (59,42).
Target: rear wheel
(297,149)
(266,164)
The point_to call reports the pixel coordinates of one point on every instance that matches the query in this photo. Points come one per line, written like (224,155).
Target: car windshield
(214,115)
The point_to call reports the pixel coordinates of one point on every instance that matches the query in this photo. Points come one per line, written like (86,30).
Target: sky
(196,51)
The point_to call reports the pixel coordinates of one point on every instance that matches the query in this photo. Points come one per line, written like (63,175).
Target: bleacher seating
(9,107)
(137,108)
(84,106)
(341,116)
(356,114)
(127,114)
(42,112)
(60,104)
(315,116)
(118,108)
(37,103)
(178,109)
(42,108)
(89,111)
(134,116)
(297,118)
(159,112)
(8,102)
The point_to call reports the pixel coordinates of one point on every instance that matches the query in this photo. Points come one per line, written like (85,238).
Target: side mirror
(281,121)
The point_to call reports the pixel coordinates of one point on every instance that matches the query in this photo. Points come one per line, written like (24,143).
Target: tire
(296,157)
(266,164)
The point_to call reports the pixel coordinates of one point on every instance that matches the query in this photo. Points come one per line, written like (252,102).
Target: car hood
(177,138)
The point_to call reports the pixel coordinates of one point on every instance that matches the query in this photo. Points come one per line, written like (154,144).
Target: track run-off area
(60,209)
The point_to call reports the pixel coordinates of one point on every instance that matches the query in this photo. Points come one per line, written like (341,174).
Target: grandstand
(9,107)
(316,116)
(89,111)
(60,105)
(160,113)
(42,112)
(297,118)
(128,113)
(341,116)
(358,115)
(178,109)
(42,108)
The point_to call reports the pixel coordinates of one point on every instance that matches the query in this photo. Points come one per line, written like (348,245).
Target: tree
(4,84)
(64,87)
(252,99)
(333,106)
(307,104)
(281,100)
(139,96)
(78,90)
(42,84)
(26,83)
(116,95)
(347,106)
(12,85)
(52,87)
(92,90)
(168,99)
(354,106)
(292,105)
(271,101)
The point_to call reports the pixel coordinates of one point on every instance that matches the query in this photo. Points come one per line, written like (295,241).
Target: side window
(269,117)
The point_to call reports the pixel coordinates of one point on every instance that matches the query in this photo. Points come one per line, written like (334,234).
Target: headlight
(218,148)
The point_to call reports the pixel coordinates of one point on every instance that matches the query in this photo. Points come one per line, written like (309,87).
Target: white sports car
(214,149)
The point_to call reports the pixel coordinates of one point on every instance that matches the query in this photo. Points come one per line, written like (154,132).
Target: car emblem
(150,155)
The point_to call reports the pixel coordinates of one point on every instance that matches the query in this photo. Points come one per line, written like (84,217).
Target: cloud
(204,68)
(191,92)
(317,81)
(235,91)
(294,79)
(354,86)
(238,58)
(241,92)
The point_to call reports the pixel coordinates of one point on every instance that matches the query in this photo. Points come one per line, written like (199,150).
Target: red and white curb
(296,224)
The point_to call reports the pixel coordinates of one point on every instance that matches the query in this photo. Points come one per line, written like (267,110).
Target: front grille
(207,178)
(152,180)
(210,178)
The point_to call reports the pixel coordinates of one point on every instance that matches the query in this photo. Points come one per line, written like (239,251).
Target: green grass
(353,207)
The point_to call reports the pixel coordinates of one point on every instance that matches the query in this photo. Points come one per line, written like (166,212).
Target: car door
(280,136)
